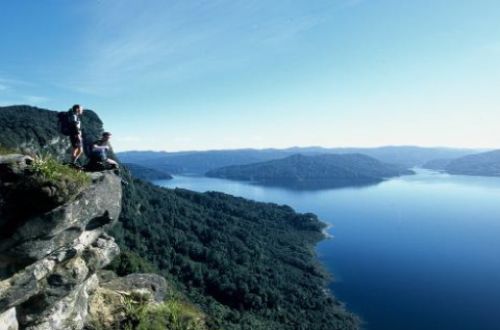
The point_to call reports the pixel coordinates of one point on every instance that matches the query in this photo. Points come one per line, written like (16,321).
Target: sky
(224,74)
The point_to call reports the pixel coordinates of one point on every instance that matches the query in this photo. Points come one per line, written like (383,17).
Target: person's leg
(76,143)
(112,163)
(77,153)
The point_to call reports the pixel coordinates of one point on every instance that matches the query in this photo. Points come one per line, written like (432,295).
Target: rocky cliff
(49,261)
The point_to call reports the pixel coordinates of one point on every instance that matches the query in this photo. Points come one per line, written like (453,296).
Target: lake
(416,252)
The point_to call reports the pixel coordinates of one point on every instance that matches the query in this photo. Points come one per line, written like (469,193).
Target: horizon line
(308,147)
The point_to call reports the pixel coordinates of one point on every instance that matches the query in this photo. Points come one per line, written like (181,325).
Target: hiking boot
(76,166)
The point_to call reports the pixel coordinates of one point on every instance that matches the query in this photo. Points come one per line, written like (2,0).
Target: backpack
(65,126)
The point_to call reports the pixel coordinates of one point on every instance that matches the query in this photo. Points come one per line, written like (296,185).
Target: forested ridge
(314,172)
(249,265)
(146,173)
(482,164)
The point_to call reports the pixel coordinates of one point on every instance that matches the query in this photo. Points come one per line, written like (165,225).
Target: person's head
(106,136)
(78,109)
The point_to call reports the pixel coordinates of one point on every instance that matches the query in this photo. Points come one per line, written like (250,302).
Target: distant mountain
(200,162)
(313,172)
(409,156)
(145,173)
(483,164)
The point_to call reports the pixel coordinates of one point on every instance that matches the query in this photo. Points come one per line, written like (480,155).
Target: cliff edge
(49,259)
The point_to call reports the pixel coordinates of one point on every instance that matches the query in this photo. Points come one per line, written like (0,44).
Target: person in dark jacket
(75,136)
(99,159)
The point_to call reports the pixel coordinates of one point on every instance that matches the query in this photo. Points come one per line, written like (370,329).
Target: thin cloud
(24,99)
(353,3)
(33,99)
(9,82)
(128,43)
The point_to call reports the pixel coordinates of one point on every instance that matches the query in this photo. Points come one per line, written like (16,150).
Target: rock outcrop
(49,262)
(108,304)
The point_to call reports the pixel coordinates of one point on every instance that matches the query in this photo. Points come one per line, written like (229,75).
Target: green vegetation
(173,314)
(137,309)
(146,173)
(313,172)
(50,171)
(129,262)
(248,265)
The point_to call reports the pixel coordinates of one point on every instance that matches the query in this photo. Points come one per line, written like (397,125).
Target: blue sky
(178,75)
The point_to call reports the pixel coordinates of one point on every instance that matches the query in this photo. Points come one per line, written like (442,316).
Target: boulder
(108,304)
(8,320)
(76,223)
(153,283)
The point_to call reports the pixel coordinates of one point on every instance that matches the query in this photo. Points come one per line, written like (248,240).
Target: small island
(314,172)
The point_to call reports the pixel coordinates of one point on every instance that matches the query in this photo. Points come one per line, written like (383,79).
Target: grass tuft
(51,171)
(173,314)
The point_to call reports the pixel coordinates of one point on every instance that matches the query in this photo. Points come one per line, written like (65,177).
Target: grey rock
(107,305)
(100,253)
(8,320)
(13,165)
(66,225)
(68,313)
(153,283)
(25,284)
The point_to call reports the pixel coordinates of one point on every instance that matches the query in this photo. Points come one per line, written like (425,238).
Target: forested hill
(482,164)
(198,162)
(248,265)
(146,173)
(313,172)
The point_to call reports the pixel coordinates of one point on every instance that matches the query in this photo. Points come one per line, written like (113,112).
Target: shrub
(49,183)
(48,169)
(173,314)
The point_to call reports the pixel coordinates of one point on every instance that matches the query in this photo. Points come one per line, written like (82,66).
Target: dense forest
(146,173)
(248,265)
(313,172)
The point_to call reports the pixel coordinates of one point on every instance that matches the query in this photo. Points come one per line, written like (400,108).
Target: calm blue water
(418,252)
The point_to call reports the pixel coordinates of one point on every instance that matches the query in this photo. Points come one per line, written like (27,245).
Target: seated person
(99,155)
